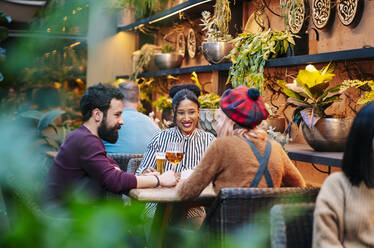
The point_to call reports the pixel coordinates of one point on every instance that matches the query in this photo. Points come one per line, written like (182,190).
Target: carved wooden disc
(181,44)
(322,12)
(191,43)
(297,16)
(348,11)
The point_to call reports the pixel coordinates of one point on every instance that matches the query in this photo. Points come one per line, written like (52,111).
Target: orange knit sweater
(230,162)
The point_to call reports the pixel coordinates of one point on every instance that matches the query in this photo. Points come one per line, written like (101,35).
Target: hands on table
(167,179)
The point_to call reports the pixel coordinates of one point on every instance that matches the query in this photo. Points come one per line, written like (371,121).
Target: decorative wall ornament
(191,43)
(349,11)
(181,44)
(322,13)
(297,16)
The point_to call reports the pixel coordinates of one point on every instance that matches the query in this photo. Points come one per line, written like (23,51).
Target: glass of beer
(160,161)
(174,152)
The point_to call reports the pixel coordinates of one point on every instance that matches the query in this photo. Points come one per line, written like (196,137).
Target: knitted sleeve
(328,214)
(203,174)
(291,175)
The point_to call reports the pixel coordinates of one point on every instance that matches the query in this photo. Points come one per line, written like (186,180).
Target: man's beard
(108,134)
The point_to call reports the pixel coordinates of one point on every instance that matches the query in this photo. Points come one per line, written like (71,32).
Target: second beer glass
(174,152)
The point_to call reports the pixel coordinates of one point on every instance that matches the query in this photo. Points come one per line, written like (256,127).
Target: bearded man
(82,162)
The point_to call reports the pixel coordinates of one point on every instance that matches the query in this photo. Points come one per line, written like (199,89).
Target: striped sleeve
(149,158)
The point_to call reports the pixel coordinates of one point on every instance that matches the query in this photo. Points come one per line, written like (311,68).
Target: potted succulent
(217,45)
(168,58)
(250,54)
(209,105)
(311,94)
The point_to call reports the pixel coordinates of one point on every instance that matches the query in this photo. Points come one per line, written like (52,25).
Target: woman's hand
(168,179)
(150,172)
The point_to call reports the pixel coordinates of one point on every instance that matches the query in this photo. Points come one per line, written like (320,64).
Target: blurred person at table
(138,129)
(186,109)
(344,211)
(82,162)
(242,156)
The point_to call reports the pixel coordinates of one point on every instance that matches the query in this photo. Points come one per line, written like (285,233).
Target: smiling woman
(194,140)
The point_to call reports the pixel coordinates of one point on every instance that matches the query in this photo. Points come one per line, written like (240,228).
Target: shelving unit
(189,7)
(354,54)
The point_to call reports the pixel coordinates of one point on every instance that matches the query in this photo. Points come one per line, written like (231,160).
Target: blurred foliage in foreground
(84,222)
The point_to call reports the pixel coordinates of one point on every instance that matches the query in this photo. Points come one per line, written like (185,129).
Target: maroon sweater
(82,164)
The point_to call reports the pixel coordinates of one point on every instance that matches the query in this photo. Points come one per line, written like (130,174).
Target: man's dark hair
(358,155)
(98,96)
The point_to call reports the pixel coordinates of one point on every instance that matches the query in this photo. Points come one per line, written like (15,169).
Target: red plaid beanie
(244,106)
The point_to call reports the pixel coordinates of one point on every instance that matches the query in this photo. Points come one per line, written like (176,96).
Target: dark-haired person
(242,156)
(82,162)
(344,212)
(135,134)
(186,109)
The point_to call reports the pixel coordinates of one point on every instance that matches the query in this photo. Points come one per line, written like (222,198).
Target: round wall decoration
(322,13)
(181,44)
(349,11)
(191,43)
(297,16)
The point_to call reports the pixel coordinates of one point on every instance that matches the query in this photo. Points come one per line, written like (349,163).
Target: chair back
(123,158)
(292,225)
(133,165)
(238,207)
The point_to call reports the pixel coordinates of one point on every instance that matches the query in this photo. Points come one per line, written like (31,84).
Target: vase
(208,119)
(328,134)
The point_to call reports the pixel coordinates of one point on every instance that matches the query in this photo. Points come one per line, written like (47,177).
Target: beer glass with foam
(160,161)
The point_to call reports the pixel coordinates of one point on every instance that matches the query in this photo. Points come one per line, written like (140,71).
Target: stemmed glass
(174,152)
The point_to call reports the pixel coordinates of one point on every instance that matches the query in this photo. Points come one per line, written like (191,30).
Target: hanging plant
(250,54)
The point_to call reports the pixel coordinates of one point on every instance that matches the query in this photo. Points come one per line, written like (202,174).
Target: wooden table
(167,198)
(304,153)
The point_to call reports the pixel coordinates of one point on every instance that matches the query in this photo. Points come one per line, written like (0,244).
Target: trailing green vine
(250,54)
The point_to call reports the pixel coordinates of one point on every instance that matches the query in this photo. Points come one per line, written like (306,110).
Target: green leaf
(318,89)
(49,118)
(298,102)
(32,114)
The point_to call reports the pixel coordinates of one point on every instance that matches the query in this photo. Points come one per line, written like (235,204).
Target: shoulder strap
(262,169)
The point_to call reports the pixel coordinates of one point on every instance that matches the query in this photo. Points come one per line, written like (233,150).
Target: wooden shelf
(189,7)
(304,153)
(354,54)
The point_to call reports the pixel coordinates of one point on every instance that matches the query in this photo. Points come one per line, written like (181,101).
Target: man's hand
(150,171)
(168,179)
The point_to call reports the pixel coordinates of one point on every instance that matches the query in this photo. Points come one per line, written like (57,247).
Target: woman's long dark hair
(358,156)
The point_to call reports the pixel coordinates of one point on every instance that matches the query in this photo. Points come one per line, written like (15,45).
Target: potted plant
(217,43)
(250,54)
(143,59)
(367,86)
(275,122)
(164,105)
(168,58)
(311,94)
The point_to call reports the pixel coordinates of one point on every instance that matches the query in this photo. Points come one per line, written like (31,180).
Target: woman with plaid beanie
(242,156)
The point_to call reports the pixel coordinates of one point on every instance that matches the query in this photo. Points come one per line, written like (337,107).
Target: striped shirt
(194,146)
